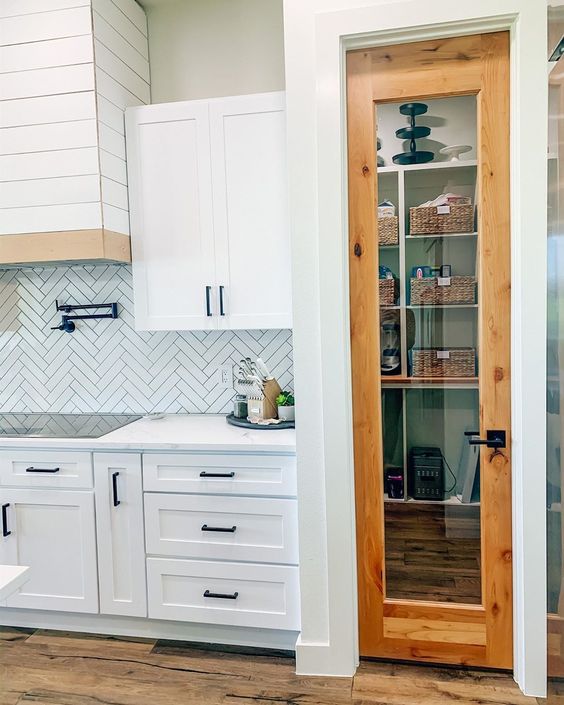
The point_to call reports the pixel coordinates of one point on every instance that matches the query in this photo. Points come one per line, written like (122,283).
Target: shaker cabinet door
(119,530)
(169,170)
(253,268)
(52,532)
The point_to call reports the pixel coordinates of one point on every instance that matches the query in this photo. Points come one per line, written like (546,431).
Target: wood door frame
(478,64)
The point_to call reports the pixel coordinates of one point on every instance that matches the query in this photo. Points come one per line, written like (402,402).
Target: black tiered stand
(412,133)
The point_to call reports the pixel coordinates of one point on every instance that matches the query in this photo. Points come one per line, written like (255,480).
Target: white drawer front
(254,528)
(270,475)
(45,468)
(264,596)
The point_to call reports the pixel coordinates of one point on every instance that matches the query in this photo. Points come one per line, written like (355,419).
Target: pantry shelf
(400,381)
(436,236)
(452,501)
(441,306)
(429,166)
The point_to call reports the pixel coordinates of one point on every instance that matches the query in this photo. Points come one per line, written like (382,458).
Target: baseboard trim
(271,639)
(321,659)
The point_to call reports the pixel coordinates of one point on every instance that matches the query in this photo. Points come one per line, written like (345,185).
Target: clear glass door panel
(429,343)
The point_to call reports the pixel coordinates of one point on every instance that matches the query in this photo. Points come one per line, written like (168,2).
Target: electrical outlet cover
(225,374)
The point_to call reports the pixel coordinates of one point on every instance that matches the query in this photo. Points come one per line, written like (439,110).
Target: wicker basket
(443,362)
(428,220)
(427,292)
(387,289)
(388,230)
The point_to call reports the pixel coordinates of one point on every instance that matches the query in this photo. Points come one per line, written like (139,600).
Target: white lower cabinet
(52,532)
(228,528)
(119,529)
(237,594)
(187,537)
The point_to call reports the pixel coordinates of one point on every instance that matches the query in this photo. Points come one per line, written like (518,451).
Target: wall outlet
(225,376)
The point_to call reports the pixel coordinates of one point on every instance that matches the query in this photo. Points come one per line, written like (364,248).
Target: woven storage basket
(443,362)
(387,289)
(427,292)
(428,221)
(388,230)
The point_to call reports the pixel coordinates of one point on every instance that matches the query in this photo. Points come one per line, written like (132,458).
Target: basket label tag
(443,281)
(443,210)
(443,354)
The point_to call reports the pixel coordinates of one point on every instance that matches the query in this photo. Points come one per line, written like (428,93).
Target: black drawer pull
(5,531)
(221,595)
(221,529)
(217,474)
(115,499)
(51,470)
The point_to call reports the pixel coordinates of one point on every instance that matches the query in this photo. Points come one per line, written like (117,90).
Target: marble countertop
(197,432)
(12,577)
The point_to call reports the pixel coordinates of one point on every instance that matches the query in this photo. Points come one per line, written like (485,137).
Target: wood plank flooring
(433,552)
(60,668)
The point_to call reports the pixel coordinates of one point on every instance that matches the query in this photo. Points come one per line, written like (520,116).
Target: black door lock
(494,439)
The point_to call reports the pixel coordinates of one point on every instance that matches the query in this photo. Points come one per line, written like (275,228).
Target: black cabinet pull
(217,474)
(208,301)
(221,595)
(115,499)
(221,310)
(51,470)
(5,531)
(221,529)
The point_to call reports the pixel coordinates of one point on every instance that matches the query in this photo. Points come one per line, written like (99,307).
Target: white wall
(210,48)
(314,34)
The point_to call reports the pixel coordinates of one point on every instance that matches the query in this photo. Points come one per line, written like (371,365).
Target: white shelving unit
(395,183)
(400,172)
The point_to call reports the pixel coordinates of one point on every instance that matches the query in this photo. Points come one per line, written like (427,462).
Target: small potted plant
(286,408)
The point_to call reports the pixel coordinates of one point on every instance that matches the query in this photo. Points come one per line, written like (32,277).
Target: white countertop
(12,577)
(205,432)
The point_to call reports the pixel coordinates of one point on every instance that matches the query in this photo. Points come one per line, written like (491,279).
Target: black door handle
(216,474)
(5,531)
(51,470)
(115,499)
(221,309)
(208,301)
(221,595)
(221,529)
(494,439)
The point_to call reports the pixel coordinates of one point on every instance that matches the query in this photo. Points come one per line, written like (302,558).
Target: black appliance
(426,476)
(394,482)
(62,425)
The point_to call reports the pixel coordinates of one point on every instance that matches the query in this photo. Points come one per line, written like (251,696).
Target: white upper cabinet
(208,200)
(171,216)
(248,147)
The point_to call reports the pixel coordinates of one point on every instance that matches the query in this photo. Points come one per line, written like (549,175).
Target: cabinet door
(248,147)
(52,532)
(119,530)
(169,169)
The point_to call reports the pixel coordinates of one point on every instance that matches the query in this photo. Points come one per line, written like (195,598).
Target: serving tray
(243,423)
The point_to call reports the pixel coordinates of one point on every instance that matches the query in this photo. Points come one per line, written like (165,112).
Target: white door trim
(329,641)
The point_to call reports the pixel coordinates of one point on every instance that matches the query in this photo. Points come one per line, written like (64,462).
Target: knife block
(271,390)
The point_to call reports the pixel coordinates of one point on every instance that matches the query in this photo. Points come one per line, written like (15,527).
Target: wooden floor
(433,552)
(59,668)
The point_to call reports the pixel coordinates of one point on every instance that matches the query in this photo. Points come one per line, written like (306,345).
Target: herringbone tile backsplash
(106,366)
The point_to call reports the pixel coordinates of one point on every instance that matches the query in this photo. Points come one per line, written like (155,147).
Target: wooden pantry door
(434,577)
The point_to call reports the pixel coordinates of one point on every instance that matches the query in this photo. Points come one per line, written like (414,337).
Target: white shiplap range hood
(68,70)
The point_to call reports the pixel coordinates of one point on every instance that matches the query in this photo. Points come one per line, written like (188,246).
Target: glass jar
(240,407)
